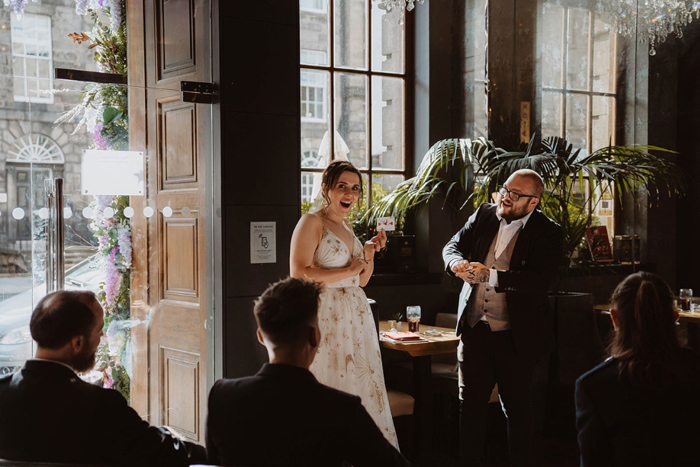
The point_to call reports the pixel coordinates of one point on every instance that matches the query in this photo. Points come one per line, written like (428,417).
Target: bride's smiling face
(343,196)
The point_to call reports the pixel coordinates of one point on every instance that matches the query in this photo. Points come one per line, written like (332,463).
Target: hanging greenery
(103,110)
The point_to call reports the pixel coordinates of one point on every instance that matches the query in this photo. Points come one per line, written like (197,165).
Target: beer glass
(686,297)
(413,318)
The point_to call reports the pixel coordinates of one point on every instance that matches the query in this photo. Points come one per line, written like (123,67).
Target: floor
(554,445)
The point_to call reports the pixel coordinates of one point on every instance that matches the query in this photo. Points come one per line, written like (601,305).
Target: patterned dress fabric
(348,357)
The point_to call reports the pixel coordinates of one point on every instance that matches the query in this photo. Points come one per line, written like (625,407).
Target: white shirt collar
(523,220)
(53,361)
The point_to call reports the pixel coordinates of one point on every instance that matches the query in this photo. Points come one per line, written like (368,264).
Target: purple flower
(124,240)
(115,15)
(81,6)
(113,278)
(100,141)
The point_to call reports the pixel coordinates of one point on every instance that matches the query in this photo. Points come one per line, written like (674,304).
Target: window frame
(589,93)
(323,9)
(27,97)
(563,92)
(332,70)
(324,105)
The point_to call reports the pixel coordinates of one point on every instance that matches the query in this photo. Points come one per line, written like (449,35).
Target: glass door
(46,127)
(136,164)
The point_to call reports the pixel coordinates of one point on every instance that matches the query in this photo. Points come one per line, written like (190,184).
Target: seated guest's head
(67,327)
(645,341)
(287,317)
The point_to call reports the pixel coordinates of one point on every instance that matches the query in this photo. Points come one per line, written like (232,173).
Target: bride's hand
(357,266)
(375,244)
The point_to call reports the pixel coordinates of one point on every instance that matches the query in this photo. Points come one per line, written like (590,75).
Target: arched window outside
(35,148)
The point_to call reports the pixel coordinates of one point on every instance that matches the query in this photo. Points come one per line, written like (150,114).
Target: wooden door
(169,42)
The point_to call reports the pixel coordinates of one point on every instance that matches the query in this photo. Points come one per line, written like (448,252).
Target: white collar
(523,220)
(53,361)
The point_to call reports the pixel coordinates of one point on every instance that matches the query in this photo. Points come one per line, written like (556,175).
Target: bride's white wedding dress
(348,357)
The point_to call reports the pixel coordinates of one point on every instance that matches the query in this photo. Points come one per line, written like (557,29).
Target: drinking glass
(413,318)
(686,297)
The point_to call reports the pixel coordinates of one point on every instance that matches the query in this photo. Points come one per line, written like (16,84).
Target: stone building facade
(32,146)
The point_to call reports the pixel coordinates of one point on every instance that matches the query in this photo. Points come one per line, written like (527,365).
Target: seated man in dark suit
(48,414)
(283,416)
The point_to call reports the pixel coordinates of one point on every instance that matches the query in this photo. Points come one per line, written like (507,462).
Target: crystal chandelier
(390,5)
(650,20)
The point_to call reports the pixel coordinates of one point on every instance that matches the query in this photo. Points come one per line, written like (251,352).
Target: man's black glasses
(512,195)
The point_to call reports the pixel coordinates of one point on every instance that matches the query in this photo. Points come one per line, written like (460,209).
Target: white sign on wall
(263,244)
(3,197)
(112,173)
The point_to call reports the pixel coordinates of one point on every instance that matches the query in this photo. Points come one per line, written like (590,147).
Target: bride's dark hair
(333,172)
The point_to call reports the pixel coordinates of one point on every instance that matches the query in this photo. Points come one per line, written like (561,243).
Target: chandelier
(650,20)
(390,5)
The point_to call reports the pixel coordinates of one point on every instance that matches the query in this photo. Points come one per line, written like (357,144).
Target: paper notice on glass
(112,173)
(263,245)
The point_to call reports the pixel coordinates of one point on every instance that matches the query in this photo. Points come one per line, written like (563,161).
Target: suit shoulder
(338,398)
(546,221)
(602,371)
(226,386)
(486,208)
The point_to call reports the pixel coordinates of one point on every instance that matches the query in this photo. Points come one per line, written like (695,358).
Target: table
(421,353)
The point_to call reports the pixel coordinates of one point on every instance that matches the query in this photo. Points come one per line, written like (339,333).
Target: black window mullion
(368,138)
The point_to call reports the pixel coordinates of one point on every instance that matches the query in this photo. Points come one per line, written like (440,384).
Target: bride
(325,249)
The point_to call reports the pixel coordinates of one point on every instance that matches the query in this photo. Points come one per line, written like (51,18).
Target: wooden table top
(692,317)
(446,343)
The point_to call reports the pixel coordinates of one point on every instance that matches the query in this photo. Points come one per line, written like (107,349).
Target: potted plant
(460,171)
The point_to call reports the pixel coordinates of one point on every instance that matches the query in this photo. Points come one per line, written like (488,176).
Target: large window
(353,92)
(32,62)
(577,57)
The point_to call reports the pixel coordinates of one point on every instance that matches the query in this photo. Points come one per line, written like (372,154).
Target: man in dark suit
(283,416)
(48,414)
(507,254)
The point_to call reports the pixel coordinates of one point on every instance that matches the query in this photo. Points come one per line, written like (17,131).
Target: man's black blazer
(535,261)
(283,416)
(48,414)
(623,425)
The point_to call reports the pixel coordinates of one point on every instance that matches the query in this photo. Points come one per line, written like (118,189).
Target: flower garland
(17,5)
(103,109)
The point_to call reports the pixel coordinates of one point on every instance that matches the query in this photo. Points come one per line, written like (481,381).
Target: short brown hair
(60,316)
(333,172)
(286,309)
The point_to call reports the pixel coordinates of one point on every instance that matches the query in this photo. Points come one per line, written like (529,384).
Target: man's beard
(84,361)
(512,214)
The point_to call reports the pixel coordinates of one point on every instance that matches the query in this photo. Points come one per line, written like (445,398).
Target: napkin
(403,336)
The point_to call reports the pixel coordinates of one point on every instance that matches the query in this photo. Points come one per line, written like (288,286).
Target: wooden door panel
(176,37)
(180,391)
(180,260)
(177,129)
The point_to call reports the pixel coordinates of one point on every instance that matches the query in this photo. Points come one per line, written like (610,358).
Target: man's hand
(476,273)
(460,266)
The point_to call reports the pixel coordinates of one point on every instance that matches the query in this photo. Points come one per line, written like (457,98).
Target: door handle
(55,236)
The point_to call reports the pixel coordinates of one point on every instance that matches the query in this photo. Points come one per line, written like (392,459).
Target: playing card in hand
(386,223)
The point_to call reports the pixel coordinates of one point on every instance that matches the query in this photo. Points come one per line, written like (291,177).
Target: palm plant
(462,170)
